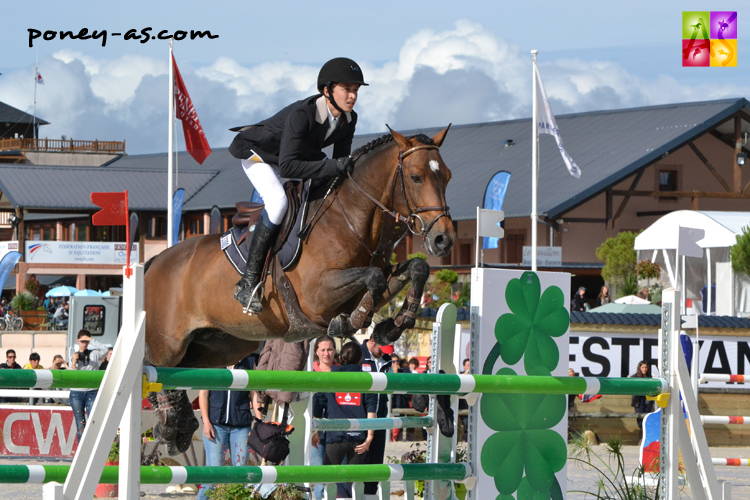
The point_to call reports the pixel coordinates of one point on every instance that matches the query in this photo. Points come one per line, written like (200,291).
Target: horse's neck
(375,177)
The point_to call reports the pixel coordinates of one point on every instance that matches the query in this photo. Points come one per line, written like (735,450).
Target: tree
(740,252)
(619,257)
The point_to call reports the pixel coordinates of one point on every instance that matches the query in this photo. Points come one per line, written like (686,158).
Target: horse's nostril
(440,241)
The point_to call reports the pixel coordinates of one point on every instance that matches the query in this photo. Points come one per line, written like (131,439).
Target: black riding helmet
(339,70)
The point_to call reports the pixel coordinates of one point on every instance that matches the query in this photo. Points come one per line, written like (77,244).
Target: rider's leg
(268,184)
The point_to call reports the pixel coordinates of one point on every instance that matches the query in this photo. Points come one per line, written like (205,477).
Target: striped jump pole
(732,462)
(371,424)
(720,377)
(317,474)
(720,419)
(367,382)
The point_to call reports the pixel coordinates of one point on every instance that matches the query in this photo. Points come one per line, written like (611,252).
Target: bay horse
(342,275)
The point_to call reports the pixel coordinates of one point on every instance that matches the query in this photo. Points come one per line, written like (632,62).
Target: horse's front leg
(417,271)
(346,284)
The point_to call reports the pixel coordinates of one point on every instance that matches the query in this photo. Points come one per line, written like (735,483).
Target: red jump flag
(195,139)
(114,212)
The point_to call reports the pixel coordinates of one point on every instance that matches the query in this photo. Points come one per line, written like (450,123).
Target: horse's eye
(416,179)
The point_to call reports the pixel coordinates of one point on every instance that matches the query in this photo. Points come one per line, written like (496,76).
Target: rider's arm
(298,129)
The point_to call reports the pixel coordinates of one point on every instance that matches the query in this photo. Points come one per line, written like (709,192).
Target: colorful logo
(33,249)
(709,38)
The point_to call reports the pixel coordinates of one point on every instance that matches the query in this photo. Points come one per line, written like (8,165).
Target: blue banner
(179,195)
(494,196)
(6,266)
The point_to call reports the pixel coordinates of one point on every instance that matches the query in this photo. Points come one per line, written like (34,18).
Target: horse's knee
(375,282)
(419,270)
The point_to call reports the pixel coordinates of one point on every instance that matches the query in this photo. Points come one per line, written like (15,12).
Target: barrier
(719,419)
(720,377)
(734,462)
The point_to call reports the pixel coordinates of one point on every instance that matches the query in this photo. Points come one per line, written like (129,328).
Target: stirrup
(246,309)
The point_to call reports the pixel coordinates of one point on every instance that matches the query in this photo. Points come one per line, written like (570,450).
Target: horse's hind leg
(417,270)
(176,421)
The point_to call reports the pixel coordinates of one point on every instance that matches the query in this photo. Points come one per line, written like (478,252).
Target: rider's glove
(344,165)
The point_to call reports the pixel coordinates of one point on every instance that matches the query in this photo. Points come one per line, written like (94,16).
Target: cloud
(463,75)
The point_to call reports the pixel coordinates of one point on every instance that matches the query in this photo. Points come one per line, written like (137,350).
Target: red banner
(37,432)
(348,398)
(195,139)
(114,212)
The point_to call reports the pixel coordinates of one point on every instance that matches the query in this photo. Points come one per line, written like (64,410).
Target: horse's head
(423,180)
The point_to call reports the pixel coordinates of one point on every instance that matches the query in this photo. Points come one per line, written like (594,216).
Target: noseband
(413,221)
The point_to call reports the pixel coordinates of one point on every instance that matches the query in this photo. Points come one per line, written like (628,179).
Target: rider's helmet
(339,70)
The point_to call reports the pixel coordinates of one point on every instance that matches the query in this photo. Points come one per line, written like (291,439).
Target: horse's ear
(403,142)
(440,136)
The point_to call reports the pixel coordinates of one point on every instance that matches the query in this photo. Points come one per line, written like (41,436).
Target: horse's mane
(383,140)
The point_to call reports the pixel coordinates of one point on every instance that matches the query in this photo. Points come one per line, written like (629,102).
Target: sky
(428,63)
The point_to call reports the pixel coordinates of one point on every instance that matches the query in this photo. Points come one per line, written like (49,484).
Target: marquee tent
(730,294)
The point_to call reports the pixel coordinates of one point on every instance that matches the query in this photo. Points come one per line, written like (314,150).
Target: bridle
(413,221)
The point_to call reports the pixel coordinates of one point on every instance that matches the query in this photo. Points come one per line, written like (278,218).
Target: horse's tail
(148,264)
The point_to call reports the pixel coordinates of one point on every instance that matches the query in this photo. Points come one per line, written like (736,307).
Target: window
(81,231)
(45,232)
(465,254)
(157,227)
(668,180)
(93,319)
(514,248)
(194,226)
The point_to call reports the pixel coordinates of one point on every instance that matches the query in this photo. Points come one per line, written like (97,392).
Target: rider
(289,144)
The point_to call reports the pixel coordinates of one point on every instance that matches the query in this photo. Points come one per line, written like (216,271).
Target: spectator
(467,366)
(395,360)
(376,359)
(33,363)
(52,306)
(105,363)
(10,361)
(640,403)
(88,358)
(352,445)
(571,397)
(227,422)
(399,400)
(603,297)
(323,355)
(428,363)
(58,363)
(463,405)
(414,365)
(578,303)
(61,316)
(643,293)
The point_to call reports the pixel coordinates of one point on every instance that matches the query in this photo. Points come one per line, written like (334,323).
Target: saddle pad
(289,252)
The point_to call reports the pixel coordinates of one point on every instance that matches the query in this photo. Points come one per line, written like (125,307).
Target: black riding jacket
(292,140)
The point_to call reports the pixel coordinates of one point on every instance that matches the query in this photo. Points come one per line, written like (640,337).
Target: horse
(342,276)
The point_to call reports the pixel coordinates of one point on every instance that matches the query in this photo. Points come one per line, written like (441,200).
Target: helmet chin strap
(332,100)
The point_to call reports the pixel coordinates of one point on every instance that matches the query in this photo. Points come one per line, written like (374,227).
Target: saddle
(288,246)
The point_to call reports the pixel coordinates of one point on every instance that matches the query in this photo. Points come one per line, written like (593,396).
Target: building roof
(608,146)
(9,114)
(722,229)
(653,320)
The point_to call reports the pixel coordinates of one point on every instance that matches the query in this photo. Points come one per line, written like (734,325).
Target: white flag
(488,223)
(546,124)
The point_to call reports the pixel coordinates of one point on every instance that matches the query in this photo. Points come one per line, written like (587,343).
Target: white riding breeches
(268,183)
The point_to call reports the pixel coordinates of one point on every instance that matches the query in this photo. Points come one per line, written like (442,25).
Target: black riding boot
(261,240)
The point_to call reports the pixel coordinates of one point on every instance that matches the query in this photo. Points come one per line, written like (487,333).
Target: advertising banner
(79,252)
(37,432)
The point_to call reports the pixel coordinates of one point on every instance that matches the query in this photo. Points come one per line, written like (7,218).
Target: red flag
(195,139)
(114,212)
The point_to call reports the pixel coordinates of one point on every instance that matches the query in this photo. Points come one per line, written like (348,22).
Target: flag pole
(170,180)
(534,168)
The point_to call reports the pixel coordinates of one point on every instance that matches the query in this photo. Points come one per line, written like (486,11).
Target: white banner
(618,354)
(545,256)
(7,246)
(546,124)
(79,252)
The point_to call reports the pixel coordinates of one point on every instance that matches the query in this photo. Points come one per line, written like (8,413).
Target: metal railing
(63,145)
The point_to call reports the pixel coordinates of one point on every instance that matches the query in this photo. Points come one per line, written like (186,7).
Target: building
(638,164)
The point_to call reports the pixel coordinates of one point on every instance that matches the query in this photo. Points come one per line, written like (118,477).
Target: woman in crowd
(352,445)
(227,420)
(603,297)
(324,353)
(640,403)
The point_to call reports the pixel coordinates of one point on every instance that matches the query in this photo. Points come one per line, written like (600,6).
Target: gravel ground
(578,478)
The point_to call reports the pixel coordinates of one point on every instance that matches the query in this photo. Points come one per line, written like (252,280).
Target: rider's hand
(344,165)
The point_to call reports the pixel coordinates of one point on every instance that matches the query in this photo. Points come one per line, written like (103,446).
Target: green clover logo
(526,493)
(528,331)
(525,441)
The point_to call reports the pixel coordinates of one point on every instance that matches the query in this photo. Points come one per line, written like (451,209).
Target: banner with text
(594,354)
(7,246)
(79,252)
(545,256)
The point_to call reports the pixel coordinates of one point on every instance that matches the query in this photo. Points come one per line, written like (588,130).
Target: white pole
(170,180)
(534,145)
(709,300)
(476,250)
(36,79)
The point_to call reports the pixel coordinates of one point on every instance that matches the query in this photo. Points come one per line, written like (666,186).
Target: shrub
(740,252)
(24,301)
(619,257)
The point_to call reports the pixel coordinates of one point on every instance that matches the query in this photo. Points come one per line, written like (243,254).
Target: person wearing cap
(376,358)
(290,144)
(88,357)
(579,301)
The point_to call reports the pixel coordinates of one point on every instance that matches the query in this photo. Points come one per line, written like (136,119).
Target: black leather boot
(260,243)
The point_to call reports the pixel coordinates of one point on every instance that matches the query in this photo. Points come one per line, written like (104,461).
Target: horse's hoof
(340,327)
(381,330)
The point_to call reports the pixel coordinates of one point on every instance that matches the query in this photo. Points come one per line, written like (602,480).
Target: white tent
(722,229)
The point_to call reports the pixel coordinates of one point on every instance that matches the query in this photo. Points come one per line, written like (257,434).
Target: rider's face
(345,95)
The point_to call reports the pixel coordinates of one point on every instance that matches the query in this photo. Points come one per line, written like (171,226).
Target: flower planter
(33,320)
(107,490)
